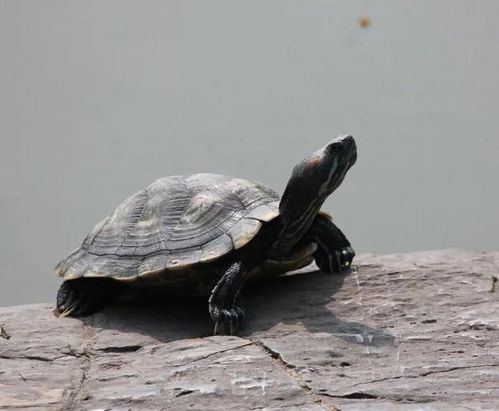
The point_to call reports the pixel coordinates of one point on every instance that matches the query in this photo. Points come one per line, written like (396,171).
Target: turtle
(208,234)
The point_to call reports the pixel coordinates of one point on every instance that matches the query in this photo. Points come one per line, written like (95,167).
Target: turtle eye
(335,147)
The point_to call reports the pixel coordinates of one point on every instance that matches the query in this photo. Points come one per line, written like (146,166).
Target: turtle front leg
(222,303)
(334,252)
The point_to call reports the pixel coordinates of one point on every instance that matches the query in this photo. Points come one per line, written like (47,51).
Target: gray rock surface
(413,331)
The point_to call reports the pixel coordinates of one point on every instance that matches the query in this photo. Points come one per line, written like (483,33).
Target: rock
(413,331)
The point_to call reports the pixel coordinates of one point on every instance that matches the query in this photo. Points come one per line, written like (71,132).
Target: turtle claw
(67,312)
(67,300)
(348,255)
(336,260)
(216,327)
(226,320)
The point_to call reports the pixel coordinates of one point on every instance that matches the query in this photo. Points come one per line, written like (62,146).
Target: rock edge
(416,331)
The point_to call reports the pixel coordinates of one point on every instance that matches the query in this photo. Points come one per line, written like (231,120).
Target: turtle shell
(172,224)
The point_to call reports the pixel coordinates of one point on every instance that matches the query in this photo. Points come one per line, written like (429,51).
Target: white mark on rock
(247,383)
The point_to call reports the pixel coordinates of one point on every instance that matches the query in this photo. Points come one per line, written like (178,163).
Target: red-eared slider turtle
(206,234)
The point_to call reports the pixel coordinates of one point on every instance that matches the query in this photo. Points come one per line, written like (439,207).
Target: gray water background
(99,98)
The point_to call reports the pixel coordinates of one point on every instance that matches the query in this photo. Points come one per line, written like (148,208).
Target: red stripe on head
(314,161)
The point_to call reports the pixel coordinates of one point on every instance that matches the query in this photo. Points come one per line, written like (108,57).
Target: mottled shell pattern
(172,224)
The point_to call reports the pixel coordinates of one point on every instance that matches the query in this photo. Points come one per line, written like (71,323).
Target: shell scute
(244,231)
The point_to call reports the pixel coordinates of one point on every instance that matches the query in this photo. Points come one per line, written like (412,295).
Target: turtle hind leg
(334,252)
(222,303)
(85,296)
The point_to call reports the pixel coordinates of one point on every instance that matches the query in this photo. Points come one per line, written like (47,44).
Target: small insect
(364,21)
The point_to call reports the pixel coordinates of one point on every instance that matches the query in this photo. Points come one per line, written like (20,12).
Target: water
(99,99)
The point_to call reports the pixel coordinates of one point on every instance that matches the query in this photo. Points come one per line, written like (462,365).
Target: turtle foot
(83,296)
(335,260)
(226,319)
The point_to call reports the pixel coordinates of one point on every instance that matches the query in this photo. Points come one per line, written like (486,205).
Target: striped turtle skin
(172,224)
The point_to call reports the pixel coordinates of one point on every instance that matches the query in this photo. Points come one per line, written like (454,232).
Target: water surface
(98,99)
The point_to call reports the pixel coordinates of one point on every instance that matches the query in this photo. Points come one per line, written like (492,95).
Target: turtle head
(311,182)
(318,175)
